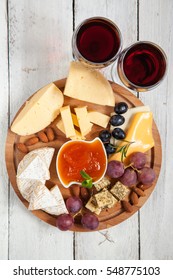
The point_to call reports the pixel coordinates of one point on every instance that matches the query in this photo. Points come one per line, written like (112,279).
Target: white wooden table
(35,49)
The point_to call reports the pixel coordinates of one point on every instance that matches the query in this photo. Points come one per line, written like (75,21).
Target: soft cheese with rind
(41,198)
(87,84)
(60,207)
(42,108)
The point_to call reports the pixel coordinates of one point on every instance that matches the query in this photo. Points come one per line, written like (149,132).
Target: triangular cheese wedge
(46,154)
(41,198)
(87,84)
(60,208)
(35,168)
(27,186)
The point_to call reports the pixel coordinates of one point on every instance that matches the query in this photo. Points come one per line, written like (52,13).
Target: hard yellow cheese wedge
(139,132)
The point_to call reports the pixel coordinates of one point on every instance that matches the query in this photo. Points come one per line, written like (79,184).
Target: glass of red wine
(97,41)
(142,66)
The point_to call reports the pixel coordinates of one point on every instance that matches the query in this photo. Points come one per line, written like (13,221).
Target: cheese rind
(42,108)
(98,118)
(87,84)
(83,120)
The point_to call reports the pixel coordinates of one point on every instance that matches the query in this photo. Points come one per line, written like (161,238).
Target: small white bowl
(75,182)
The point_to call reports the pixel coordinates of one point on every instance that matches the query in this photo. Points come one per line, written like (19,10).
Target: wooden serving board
(108,217)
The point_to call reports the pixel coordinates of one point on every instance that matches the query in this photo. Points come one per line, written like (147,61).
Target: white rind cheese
(87,84)
(60,207)
(39,111)
(41,198)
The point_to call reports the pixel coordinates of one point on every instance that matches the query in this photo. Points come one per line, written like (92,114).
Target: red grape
(74,204)
(64,221)
(129,177)
(146,176)
(115,169)
(138,160)
(90,221)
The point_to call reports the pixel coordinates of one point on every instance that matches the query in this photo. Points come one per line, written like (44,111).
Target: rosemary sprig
(88,182)
(123,149)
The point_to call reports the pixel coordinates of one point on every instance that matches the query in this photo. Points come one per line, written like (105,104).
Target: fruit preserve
(75,156)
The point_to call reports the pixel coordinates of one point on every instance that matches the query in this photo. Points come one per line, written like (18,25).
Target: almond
(145,187)
(134,198)
(22,147)
(75,190)
(139,191)
(127,206)
(84,193)
(50,134)
(42,136)
(31,141)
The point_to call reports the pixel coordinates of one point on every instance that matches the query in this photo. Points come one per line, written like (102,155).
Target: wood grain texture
(40,35)
(3,129)
(155,24)
(126,19)
(109,217)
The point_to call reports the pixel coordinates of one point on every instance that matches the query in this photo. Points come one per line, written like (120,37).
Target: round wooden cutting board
(108,217)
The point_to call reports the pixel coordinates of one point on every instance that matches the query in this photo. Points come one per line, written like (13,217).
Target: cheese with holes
(140,133)
(41,198)
(42,108)
(98,118)
(67,121)
(83,120)
(60,207)
(87,84)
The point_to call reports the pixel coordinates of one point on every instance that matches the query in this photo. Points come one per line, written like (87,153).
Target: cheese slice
(35,168)
(83,120)
(98,118)
(67,121)
(42,108)
(41,198)
(60,207)
(140,133)
(75,121)
(85,83)
(77,136)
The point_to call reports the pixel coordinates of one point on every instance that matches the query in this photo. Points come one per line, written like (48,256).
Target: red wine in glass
(142,66)
(97,41)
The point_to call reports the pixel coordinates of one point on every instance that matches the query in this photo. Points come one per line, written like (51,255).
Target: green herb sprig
(123,149)
(88,182)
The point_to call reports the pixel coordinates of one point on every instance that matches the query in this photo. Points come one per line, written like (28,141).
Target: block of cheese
(41,198)
(35,168)
(60,207)
(87,84)
(67,121)
(26,185)
(83,120)
(98,118)
(42,108)
(77,136)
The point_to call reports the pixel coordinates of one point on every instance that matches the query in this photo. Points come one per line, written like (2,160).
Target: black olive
(110,149)
(117,120)
(121,108)
(105,136)
(118,133)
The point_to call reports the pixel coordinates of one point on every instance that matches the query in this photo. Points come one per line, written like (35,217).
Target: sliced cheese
(41,198)
(87,84)
(42,108)
(35,168)
(67,121)
(98,118)
(140,133)
(75,121)
(83,120)
(60,207)
(77,136)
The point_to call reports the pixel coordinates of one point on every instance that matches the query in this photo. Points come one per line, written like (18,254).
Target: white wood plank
(3,131)
(156,217)
(119,242)
(40,40)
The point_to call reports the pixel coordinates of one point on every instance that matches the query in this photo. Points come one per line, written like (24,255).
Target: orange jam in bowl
(77,155)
